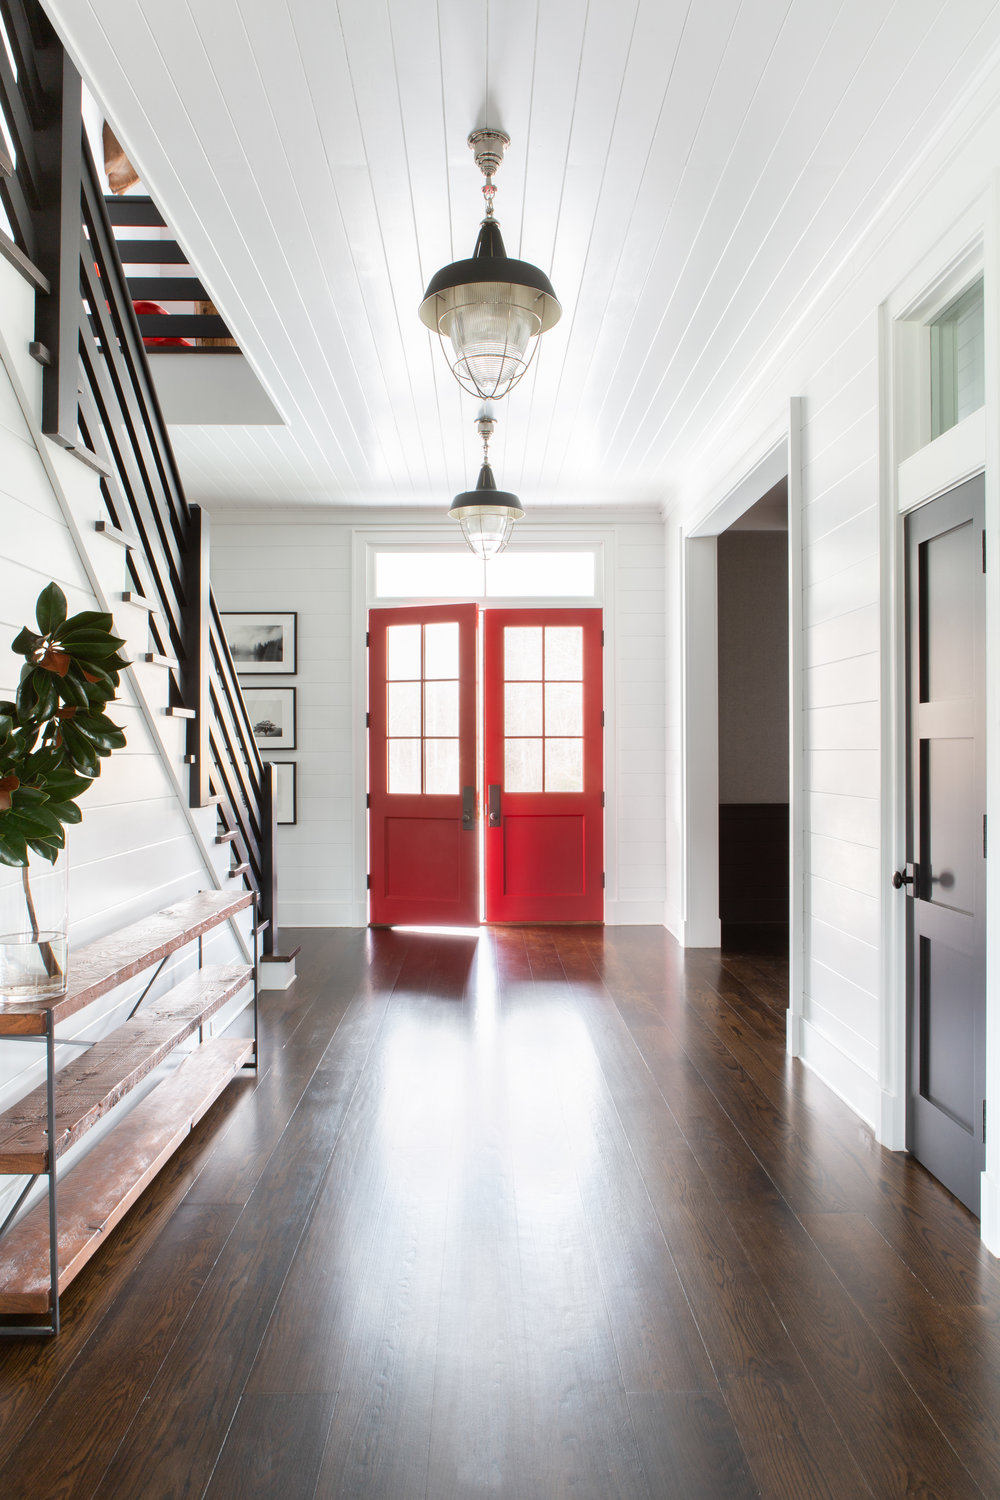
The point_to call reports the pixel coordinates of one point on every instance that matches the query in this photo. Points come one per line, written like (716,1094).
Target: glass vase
(34,920)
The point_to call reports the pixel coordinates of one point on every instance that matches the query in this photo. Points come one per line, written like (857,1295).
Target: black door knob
(901,878)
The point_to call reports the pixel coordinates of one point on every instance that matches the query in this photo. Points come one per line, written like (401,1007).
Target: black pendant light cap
(486,494)
(490,262)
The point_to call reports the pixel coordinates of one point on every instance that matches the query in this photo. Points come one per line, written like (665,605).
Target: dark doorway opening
(753,727)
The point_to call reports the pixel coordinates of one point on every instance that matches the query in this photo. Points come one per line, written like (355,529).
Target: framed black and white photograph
(260,641)
(284,791)
(272,714)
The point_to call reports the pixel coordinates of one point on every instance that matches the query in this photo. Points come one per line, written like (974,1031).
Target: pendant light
(490,309)
(486,514)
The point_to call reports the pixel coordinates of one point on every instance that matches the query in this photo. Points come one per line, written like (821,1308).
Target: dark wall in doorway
(753,738)
(753,666)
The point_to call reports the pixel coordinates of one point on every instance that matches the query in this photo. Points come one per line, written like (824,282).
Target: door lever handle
(468,808)
(493,806)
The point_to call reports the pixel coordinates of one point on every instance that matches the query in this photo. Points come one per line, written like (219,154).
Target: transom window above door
(400,573)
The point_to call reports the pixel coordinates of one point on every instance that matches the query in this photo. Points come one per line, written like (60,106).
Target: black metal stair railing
(99,400)
(176,326)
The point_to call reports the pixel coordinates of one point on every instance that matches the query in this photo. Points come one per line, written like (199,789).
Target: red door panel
(423,833)
(544,765)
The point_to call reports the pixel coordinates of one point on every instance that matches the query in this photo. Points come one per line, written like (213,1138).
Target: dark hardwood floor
(543,1214)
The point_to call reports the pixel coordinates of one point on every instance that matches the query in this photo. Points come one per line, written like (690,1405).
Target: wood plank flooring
(535,1213)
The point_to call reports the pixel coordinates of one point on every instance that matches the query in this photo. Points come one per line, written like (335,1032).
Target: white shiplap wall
(134,851)
(638,778)
(840,580)
(304,564)
(836,362)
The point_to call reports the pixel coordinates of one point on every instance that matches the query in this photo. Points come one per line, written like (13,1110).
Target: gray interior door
(945,879)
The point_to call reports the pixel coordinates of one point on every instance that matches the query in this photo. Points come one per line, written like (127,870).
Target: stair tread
(100,1189)
(115,534)
(96,1080)
(102,965)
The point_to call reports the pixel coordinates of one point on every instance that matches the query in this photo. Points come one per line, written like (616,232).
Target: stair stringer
(166,734)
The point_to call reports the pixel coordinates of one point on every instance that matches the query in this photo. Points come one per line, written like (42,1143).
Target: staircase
(145,552)
(99,403)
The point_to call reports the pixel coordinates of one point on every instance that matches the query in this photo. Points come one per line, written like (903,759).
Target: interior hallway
(544,1213)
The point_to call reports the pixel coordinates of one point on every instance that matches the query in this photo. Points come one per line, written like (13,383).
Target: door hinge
(368,721)
(602,637)
(368,799)
(368,881)
(984,835)
(603,880)
(602,718)
(984,1122)
(984,551)
(368,637)
(602,799)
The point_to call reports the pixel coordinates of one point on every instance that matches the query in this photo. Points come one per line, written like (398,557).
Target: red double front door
(540,792)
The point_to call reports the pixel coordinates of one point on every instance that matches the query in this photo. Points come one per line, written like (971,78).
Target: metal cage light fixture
(486,514)
(490,309)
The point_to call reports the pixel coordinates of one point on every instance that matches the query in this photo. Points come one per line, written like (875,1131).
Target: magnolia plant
(55,733)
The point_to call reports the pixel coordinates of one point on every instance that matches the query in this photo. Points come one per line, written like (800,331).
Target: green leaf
(27,795)
(26,643)
(80,752)
(50,609)
(66,812)
(26,697)
(47,694)
(65,785)
(87,619)
(91,647)
(33,822)
(12,851)
(72,690)
(47,851)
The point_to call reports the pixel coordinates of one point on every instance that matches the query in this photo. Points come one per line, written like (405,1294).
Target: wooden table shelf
(42,1251)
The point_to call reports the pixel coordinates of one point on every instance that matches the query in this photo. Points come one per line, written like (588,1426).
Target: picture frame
(285,794)
(272,715)
(262,642)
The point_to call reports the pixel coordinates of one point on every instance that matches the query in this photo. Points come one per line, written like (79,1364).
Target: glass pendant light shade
(487,529)
(489,309)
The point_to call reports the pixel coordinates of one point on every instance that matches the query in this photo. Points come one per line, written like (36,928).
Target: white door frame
(915,470)
(701,926)
(439,536)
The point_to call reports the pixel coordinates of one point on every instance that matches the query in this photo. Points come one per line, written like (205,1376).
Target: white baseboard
(700,934)
(275,974)
(633,913)
(305,913)
(891,1130)
(858,1089)
(989,1214)
(674,924)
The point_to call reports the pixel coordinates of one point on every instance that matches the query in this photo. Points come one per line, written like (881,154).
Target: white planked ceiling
(689,172)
